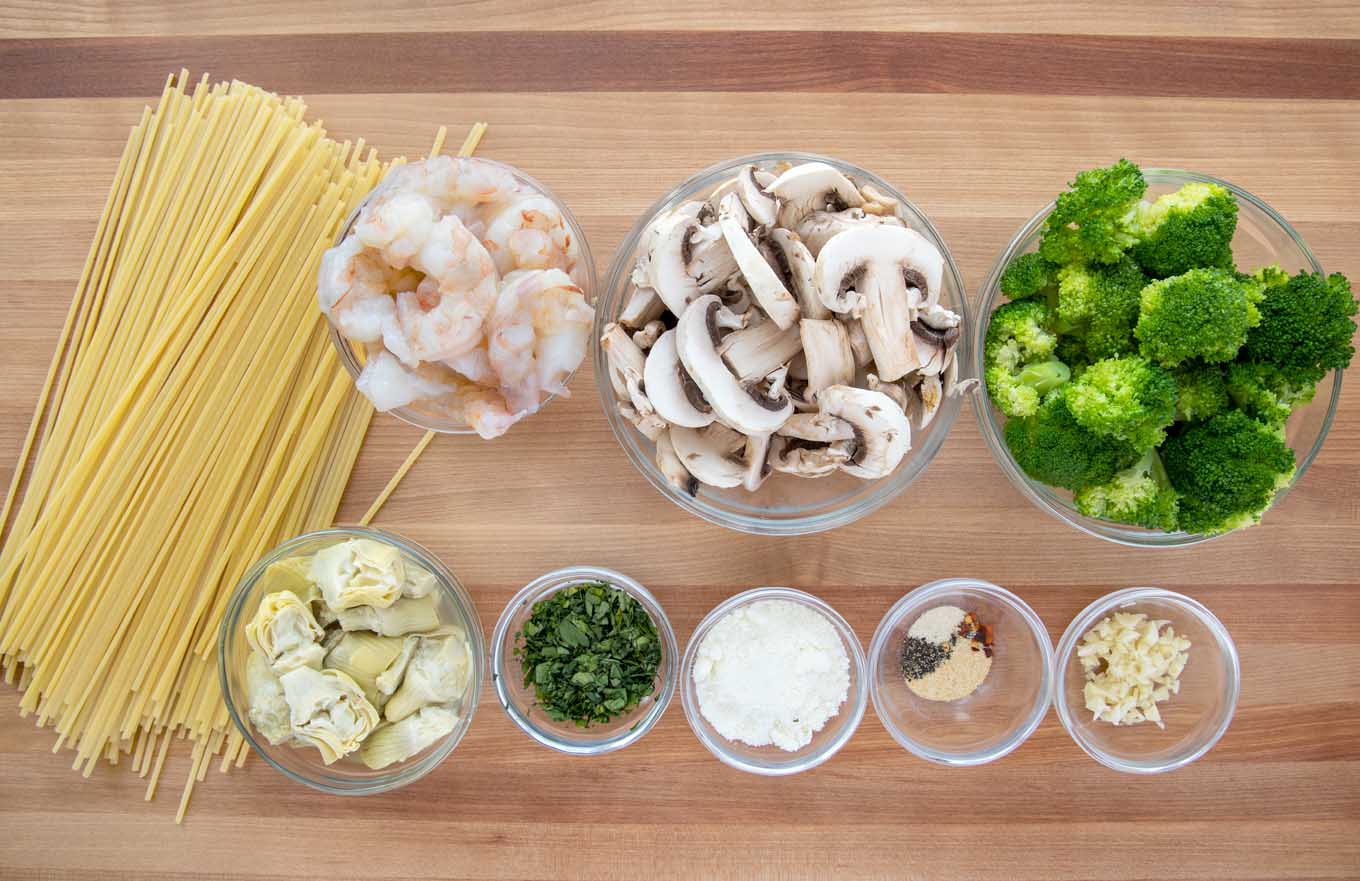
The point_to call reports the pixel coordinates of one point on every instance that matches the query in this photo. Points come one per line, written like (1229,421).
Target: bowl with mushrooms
(781,340)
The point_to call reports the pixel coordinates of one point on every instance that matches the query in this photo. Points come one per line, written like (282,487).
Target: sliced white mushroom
(736,296)
(809,187)
(735,402)
(642,308)
(820,227)
(795,265)
(649,426)
(709,454)
(936,333)
(765,284)
(859,343)
(757,468)
(822,428)
(926,401)
(882,433)
(686,260)
(648,335)
(759,204)
(675,472)
(670,390)
(830,360)
(900,394)
(756,351)
(880,272)
(622,354)
(798,368)
(803,459)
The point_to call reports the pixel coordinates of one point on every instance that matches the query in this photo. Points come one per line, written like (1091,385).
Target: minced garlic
(1132,663)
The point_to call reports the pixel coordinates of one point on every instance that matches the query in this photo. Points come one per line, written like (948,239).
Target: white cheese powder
(773,672)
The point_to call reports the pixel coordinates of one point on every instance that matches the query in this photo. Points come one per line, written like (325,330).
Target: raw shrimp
(389,385)
(396,223)
(482,182)
(474,365)
(442,318)
(562,324)
(510,340)
(351,289)
(529,213)
(487,412)
(537,335)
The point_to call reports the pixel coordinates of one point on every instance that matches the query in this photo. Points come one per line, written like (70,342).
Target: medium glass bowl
(520,702)
(784,504)
(771,761)
(424,417)
(1263,237)
(348,776)
(1195,718)
(1004,710)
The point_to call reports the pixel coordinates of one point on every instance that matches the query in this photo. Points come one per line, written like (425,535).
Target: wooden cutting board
(979,112)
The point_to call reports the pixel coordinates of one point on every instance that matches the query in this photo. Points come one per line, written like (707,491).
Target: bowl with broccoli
(1161,355)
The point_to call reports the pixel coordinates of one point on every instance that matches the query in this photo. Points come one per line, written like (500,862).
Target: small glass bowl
(348,776)
(1195,718)
(428,419)
(520,702)
(784,504)
(1004,710)
(1263,237)
(771,761)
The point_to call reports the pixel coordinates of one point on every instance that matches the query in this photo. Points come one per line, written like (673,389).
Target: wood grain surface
(979,112)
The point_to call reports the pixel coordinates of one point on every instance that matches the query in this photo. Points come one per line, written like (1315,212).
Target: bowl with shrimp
(780,344)
(459,295)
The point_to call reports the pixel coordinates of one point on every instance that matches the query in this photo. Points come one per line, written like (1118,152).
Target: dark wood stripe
(694,61)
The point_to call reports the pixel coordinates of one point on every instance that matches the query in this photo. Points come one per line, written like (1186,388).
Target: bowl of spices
(1146,680)
(773,681)
(584,660)
(960,671)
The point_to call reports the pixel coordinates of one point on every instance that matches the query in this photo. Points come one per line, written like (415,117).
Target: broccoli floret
(1071,351)
(1131,399)
(1227,470)
(1306,322)
(1053,448)
(1086,224)
(1102,302)
(1203,313)
(1271,276)
(1018,357)
(1028,275)
(1268,392)
(1190,228)
(1140,495)
(1200,391)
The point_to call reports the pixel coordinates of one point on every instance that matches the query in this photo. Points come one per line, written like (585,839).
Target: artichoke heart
(268,709)
(390,679)
(400,618)
(399,741)
(419,582)
(328,710)
(364,657)
(285,633)
(359,572)
(438,673)
(293,575)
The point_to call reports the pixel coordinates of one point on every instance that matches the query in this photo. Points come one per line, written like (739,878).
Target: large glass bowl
(1195,717)
(348,776)
(785,504)
(1263,237)
(353,357)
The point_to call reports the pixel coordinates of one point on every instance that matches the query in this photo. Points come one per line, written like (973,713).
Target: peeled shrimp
(351,289)
(529,213)
(511,341)
(474,365)
(562,323)
(487,412)
(389,385)
(397,223)
(442,318)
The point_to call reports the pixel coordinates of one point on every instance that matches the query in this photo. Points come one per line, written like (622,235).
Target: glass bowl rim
(346,352)
(886,489)
(911,601)
(1083,622)
(1041,495)
(453,590)
(547,584)
(857,700)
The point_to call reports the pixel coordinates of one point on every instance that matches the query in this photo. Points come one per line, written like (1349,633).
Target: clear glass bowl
(771,761)
(1195,718)
(348,776)
(1004,710)
(785,504)
(1263,237)
(519,701)
(424,417)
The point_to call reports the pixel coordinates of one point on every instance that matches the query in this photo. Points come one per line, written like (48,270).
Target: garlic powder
(773,672)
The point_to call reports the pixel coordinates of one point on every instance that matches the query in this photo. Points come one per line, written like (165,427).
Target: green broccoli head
(1140,495)
(1307,321)
(1101,303)
(1271,276)
(1071,351)
(1018,363)
(1028,275)
(1190,228)
(1130,399)
(1203,313)
(1200,391)
(1227,470)
(1269,392)
(1086,224)
(1053,448)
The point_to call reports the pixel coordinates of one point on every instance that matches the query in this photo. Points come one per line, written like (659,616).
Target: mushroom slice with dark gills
(826,347)
(937,332)
(714,455)
(672,392)
(766,286)
(758,350)
(686,259)
(643,307)
(649,334)
(880,274)
(622,355)
(741,405)
(809,187)
(789,455)
(926,401)
(759,204)
(795,265)
(675,472)
(882,433)
(820,227)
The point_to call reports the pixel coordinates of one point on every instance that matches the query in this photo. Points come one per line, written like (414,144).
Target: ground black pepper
(921,657)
